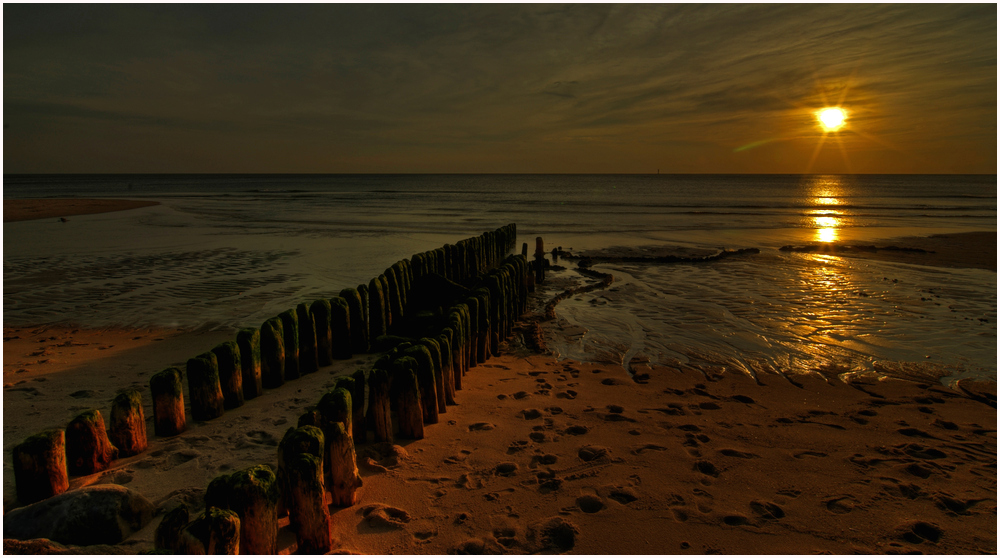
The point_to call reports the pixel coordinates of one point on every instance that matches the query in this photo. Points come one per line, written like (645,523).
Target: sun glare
(831,118)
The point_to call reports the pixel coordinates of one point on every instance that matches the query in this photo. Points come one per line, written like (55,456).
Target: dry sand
(27,210)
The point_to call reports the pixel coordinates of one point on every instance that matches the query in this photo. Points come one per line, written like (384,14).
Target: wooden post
(342,329)
(168,402)
(308,355)
(428,385)
(524,249)
(128,423)
(435,352)
(539,260)
(458,360)
(472,306)
(272,354)
(168,532)
(376,310)
(40,466)
(214,531)
(344,477)
(357,324)
(447,367)
(363,294)
(254,496)
(290,327)
(304,439)
(248,340)
(218,492)
(393,300)
(483,336)
(406,390)
(359,422)
(307,512)
(227,356)
(320,310)
(379,404)
(204,387)
(88,449)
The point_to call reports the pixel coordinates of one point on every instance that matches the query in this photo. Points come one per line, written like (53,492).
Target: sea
(229,251)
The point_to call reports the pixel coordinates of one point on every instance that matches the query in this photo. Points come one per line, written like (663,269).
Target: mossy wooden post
(428,385)
(128,423)
(359,420)
(483,331)
(363,293)
(227,357)
(406,390)
(88,449)
(303,439)
(447,367)
(223,532)
(472,305)
(320,311)
(458,360)
(341,327)
(290,327)
(40,466)
(394,301)
(344,478)
(204,387)
(379,404)
(248,340)
(307,512)
(308,357)
(463,311)
(385,300)
(435,352)
(218,491)
(253,495)
(272,354)
(357,322)
(376,310)
(168,532)
(167,389)
(337,405)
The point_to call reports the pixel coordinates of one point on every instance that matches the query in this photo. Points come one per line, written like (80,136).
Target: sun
(831,118)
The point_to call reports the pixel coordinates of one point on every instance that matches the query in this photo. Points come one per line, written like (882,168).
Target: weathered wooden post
(406,390)
(290,327)
(385,301)
(272,354)
(342,329)
(248,340)
(363,293)
(472,305)
(336,405)
(428,385)
(376,310)
(308,355)
(482,340)
(539,260)
(394,298)
(128,423)
(379,404)
(88,449)
(447,367)
(524,249)
(321,310)
(359,422)
(458,360)
(435,351)
(40,466)
(253,495)
(307,512)
(214,531)
(304,439)
(204,387)
(358,323)
(168,402)
(227,356)
(170,527)
(344,478)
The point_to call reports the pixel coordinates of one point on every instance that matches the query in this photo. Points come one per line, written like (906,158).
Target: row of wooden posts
(408,387)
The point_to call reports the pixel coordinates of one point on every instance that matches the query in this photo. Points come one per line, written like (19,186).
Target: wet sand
(970,250)
(31,209)
(549,456)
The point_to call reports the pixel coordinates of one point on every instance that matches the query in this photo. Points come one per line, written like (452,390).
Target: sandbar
(51,208)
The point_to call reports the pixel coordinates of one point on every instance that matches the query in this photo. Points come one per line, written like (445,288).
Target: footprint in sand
(554,534)
(568,394)
(590,503)
(738,454)
(576,430)
(381,516)
(621,494)
(706,468)
(530,414)
(767,511)
(480,426)
(470,546)
(648,447)
(919,531)
(590,453)
(840,505)
(505,469)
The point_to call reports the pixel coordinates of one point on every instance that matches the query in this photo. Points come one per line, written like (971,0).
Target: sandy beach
(31,209)
(543,455)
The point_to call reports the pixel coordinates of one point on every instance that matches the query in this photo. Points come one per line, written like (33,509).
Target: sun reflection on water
(826,192)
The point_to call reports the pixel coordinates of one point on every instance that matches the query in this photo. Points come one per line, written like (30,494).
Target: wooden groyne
(432,319)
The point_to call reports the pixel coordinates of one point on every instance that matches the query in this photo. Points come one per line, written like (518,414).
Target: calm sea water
(231,251)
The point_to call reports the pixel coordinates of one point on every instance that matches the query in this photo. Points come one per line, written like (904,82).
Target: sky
(374,88)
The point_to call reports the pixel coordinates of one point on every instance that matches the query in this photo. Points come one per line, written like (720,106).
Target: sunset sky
(499,88)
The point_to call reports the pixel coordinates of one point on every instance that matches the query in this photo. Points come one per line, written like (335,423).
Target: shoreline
(682,462)
(16,210)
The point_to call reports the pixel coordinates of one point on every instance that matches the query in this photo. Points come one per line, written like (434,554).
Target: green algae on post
(40,466)
(428,384)
(253,495)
